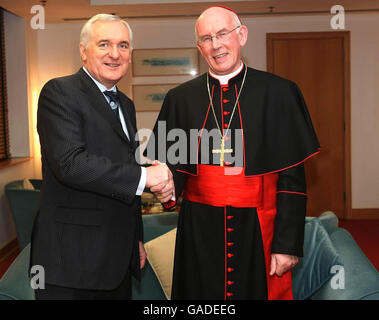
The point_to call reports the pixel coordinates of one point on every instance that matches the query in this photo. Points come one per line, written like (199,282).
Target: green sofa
(325,246)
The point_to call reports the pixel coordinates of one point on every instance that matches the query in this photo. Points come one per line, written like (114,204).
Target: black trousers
(53,292)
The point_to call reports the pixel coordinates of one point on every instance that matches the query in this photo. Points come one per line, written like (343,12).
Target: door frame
(345,36)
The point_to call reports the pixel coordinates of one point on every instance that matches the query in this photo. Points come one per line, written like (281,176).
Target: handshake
(159,180)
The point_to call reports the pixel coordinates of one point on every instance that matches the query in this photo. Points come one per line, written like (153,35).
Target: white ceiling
(123,2)
(60,11)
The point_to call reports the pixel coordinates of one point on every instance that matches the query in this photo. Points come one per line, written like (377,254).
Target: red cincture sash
(227,186)
(224,186)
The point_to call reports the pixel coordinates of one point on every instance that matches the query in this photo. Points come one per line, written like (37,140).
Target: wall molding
(364,213)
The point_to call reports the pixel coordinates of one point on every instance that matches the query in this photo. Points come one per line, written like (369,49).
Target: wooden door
(319,63)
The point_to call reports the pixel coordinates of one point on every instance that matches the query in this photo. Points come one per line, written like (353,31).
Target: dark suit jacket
(89,222)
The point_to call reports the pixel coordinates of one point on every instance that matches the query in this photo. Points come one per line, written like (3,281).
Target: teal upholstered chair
(23,198)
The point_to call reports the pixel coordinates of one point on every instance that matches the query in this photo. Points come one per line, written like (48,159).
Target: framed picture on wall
(165,62)
(149,97)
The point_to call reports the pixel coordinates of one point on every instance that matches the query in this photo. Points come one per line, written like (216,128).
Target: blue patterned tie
(114,101)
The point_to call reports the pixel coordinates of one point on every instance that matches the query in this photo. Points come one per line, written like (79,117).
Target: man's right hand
(157,174)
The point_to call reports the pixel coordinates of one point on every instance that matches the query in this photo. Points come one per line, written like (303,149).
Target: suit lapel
(100,104)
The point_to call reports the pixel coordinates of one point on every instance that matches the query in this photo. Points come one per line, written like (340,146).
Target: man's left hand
(281,263)
(164,192)
(142,255)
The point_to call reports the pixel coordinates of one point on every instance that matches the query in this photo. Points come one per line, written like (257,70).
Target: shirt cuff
(142,182)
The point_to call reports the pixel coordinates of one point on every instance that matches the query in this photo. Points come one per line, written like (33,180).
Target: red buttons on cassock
(230,244)
(227,138)
(230,229)
(229,217)
(226,113)
(225,125)
(225,100)
(230,269)
(230,255)
(225,89)
(229,294)
(230,282)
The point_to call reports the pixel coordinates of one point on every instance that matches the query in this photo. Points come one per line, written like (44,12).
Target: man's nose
(216,43)
(114,52)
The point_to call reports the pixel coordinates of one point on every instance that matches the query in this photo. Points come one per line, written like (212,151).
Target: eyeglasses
(221,36)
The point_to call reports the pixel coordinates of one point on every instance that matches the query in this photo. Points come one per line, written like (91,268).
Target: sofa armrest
(15,283)
(329,220)
(359,278)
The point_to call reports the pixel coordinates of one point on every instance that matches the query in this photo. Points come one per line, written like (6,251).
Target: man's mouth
(219,56)
(112,65)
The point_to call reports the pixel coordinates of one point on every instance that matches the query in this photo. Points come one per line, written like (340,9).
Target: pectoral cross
(222,151)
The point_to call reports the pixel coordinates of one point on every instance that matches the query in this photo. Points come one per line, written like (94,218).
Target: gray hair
(236,19)
(86,33)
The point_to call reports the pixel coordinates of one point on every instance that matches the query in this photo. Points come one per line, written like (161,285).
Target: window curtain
(4,130)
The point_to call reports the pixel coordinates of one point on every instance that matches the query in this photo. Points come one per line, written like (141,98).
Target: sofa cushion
(26,184)
(315,268)
(160,254)
(149,288)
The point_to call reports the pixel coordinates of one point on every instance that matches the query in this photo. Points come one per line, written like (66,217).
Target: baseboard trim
(11,248)
(369,213)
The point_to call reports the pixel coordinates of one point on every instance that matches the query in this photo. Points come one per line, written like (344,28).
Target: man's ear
(82,49)
(199,48)
(243,33)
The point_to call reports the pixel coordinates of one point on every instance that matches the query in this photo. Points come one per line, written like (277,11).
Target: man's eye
(124,46)
(206,39)
(103,45)
(222,34)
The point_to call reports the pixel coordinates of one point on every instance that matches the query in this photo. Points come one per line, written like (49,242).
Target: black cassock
(223,249)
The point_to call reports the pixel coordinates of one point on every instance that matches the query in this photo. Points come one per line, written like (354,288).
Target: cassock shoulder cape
(278,131)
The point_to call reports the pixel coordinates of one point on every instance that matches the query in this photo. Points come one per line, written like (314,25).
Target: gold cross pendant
(222,151)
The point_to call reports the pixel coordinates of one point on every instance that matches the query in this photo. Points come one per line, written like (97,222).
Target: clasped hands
(160,181)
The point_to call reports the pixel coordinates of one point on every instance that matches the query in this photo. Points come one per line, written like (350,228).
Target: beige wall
(54,52)
(58,56)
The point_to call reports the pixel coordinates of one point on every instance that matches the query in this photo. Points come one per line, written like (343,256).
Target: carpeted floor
(366,234)
(6,263)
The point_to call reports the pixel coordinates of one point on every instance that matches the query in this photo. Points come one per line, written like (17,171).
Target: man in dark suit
(88,231)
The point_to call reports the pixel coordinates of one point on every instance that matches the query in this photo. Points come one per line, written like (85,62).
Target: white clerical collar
(224,79)
(99,84)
